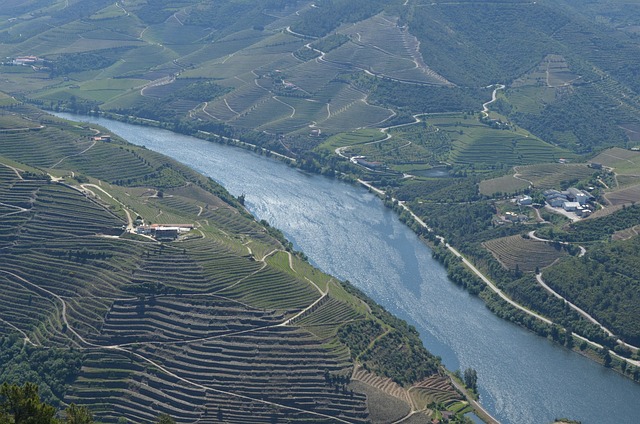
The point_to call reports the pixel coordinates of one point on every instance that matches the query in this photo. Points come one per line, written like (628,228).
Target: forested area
(597,229)
(442,190)
(473,44)
(388,346)
(23,404)
(464,223)
(416,99)
(329,14)
(52,369)
(65,64)
(606,282)
(563,122)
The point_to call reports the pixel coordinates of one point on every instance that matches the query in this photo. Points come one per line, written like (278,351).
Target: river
(347,232)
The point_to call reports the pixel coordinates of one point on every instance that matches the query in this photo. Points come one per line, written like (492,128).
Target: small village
(573,203)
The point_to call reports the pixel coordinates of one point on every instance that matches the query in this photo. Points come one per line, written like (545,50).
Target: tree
(78,415)
(22,405)
(165,419)
(471,379)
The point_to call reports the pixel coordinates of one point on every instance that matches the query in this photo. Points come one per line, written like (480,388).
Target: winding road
(488,282)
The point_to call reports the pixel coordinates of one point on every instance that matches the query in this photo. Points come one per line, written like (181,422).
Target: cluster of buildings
(25,60)
(361,160)
(34,62)
(103,137)
(164,232)
(571,200)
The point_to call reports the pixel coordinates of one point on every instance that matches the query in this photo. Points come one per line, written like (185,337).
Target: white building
(570,206)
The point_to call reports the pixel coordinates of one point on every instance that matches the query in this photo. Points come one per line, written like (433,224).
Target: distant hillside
(287,74)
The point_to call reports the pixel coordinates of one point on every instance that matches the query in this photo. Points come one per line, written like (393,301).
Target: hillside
(220,321)
(452,108)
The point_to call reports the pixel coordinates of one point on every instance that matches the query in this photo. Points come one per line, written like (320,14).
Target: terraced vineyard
(539,176)
(221,324)
(525,254)
(624,196)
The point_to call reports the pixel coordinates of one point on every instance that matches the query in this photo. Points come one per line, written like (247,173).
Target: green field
(525,254)
(474,143)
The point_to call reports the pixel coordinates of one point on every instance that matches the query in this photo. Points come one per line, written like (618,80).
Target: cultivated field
(483,146)
(624,196)
(504,184)
(526,254)
(553,175)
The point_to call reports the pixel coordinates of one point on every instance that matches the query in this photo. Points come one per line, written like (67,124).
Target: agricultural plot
(558,72)
(624,196)
(237,102)
(314,75)
(12,122)
(357,114)
(300,114)
(626,234)
(504,184)
(553,175)
(437,389)
(480,145)
(530,99)
(633,132)
(382,407)
(139,60)
(623,161)
(525,254)
(487,147)
(99,91)
(6,100)
(235,64)
(374,46)
(352,138)
(172,34)
(222,48)
(47,40)
(268,114)
(541,176)
(48,146)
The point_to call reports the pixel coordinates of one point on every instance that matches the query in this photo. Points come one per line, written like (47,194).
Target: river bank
(344,231)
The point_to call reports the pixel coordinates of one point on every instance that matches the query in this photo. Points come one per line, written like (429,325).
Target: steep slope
(222,323)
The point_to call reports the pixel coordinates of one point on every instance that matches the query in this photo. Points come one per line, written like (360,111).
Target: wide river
(347,232)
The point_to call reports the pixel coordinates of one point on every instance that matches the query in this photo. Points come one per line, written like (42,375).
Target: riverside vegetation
(404,95)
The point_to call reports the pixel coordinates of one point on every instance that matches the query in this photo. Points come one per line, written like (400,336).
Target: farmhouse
(514,217)
(557,198)
(557,202)
(524,200)
(25,60)
(165,231)
(360,160)
(570,206)
(577,196)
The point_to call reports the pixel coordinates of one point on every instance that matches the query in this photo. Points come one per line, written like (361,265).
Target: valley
(503,134)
